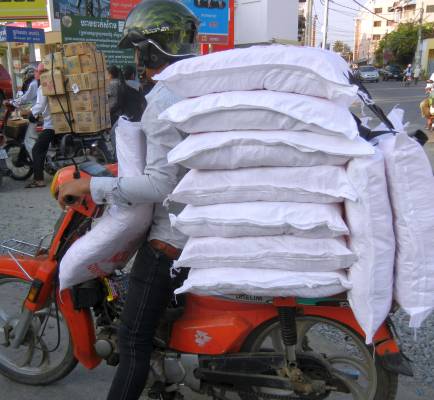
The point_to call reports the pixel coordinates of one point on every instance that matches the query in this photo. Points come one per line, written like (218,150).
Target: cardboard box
(52,83)
(53,58)
(72,65)
(91,62)
(58,104)
(78,48)
(60,123)
(85,81)
(46,49)
(88,122)
(88,100)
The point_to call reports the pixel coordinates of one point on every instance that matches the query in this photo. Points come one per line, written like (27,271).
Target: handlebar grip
(70,200)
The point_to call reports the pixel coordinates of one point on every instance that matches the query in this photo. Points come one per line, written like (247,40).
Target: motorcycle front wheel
(20,170)
(350,360)
(46,354)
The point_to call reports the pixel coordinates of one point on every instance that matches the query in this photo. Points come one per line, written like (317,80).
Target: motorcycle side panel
(211,325)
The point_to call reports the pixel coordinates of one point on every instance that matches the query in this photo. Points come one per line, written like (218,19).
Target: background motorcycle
(3,156)
(257,347)
(20,165)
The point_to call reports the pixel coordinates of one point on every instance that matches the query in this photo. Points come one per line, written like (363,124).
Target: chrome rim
(42,351)
(350,358)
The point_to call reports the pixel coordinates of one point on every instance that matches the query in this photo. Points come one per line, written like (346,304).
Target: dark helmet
(163,30)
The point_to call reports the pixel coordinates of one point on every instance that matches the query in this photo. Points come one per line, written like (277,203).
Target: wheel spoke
(356,390)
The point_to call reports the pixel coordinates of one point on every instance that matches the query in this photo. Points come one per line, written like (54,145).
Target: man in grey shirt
(162,32)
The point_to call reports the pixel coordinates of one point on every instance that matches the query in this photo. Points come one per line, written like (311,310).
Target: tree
(338,46)
(402,43)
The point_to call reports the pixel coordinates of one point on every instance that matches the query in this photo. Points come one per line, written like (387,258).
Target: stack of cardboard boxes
(76,86)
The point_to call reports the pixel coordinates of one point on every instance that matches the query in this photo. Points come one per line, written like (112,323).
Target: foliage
(402,43)
(343,49)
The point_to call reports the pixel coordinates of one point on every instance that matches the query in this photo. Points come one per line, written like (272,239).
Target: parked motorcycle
(20,164)
(254,346)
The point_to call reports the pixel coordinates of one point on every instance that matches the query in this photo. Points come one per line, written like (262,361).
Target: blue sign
(21,35)
(214,19)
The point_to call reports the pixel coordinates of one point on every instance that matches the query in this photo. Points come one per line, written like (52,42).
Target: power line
(342,5)
(367,9)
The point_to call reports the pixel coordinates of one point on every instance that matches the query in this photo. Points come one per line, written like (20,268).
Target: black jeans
(148,295)
(39,153)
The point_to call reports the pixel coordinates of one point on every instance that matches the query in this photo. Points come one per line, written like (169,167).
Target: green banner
(106,33)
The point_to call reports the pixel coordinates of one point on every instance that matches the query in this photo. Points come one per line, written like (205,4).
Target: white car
(368,73)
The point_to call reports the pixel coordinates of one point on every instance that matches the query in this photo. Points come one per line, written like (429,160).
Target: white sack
(372,239)
(264,282)
(304,70)
(411,188)
(239,149)
(118,233)
(261,110)
(267,252)
(30,139)
(261,218)
(322,184)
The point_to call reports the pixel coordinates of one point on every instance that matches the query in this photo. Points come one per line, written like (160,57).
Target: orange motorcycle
(255,347)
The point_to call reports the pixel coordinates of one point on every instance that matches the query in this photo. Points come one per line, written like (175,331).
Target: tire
(382,385)
(12,293)
(17,173)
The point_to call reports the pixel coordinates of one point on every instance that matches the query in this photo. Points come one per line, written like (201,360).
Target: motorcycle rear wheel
(18,173)
(43,358)
(340,346)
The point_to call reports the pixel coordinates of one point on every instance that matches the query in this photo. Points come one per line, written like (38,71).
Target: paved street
(29,214)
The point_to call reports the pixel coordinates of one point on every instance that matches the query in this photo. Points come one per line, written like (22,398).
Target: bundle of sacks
(115,237)
(283,197)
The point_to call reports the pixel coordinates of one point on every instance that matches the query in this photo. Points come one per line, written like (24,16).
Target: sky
(341,20)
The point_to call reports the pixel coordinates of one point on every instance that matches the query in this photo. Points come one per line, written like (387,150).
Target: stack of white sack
(271,137)
(411,187)
(117,234)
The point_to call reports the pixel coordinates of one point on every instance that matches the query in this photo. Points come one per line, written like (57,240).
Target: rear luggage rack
(23,248)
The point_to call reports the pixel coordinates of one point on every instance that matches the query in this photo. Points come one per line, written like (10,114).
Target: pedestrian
(161,32)
(40,149)
(114,75)
(416,74)
(408,74)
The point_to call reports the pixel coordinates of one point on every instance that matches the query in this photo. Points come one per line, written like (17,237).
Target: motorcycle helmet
(161,31)
(28,72)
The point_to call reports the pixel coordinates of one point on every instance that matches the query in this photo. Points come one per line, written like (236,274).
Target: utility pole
(325,24)
(418,55)
(313,39)
(308,29)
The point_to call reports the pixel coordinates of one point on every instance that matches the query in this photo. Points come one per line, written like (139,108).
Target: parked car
(392,72)
(5,85)
(368,73)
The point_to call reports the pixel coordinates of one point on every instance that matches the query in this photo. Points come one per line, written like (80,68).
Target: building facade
(382,18)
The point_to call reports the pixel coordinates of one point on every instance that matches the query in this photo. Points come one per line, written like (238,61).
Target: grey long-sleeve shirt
(159,178)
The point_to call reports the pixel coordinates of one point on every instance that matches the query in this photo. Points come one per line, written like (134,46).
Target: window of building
(430,9)
(376,37)
(390,23)
(378,10)
(377,23)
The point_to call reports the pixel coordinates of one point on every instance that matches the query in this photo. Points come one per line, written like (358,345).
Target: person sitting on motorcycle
(30,88)
(40,148)
(161,32)
(408,73)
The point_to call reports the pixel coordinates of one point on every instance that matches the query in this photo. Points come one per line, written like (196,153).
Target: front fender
(80,323)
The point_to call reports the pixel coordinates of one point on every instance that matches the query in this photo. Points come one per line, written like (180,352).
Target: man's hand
(75,188)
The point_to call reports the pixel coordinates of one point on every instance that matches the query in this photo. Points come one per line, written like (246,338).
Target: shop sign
(106,33)
(21,35)
(23,10)
(214,20)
